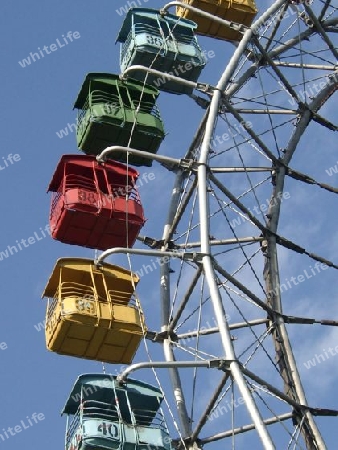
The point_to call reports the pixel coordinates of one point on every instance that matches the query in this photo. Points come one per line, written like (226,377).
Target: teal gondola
(166,43)
(101,414)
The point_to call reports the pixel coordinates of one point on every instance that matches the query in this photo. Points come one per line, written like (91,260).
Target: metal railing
(120,297)
(54,208)
(78,181)
(100,410)
(151,419)
(110,103)
(73,427)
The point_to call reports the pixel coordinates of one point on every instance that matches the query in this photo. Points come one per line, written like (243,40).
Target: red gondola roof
(83,161)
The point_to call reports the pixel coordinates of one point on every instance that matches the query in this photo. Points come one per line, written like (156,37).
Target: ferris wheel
(234,258)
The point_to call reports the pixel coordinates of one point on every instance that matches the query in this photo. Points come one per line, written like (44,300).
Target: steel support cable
(198,354)
(236,146)
(238,197)
(179,277)
(213,214)
(196,350)
(243,251)
(213,330)
(216,154)
(266,104)
(279,21)
(182,262)
(178,326)
(299,407)
(295,435)
(266,231)
(224,394)
(236,202)
(242,296)
(300,15)
(248,243)
(250,327)
(244,428)
(257,338)
(301,52)
(210,407)
(247,292)
(208,298)
(242,266)
(180,210)
(325,7)
(274,414)
(258,343)
(280,74)
(185,299)
(253,135)
(305,35)
(321,30)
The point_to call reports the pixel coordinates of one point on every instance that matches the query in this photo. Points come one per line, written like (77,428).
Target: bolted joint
(187,443)
(162,336)
(220,364)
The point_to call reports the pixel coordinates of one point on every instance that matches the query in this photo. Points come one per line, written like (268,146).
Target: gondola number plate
(109,429)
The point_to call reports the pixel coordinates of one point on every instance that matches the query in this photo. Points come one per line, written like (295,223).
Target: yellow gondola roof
(80,272)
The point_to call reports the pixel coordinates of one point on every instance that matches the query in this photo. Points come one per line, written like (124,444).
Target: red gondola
(95,205)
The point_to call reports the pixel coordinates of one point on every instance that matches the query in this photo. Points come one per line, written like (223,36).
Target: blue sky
(37,103)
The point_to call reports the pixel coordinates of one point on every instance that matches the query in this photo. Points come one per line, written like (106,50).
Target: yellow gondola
(239,11)
(90,312)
